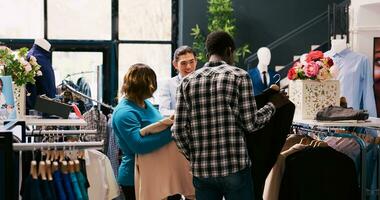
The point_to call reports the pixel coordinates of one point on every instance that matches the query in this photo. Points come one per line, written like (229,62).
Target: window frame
(109,48)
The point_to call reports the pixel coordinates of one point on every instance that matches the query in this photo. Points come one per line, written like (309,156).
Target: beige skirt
(163,173)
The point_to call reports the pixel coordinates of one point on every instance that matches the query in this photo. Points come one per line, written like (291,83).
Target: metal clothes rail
(57,145)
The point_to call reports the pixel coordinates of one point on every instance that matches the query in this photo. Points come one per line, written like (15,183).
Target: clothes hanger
(64,167)
(71,166)
(49,170)
(278,78)
(42,170)
(33,167)
(77,165)
(55,166)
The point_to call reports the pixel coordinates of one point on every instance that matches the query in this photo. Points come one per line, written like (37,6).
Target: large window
(157,56)
(145,31)
(88,33)
(72,66)
(145,20)
(79,19)
(21,19)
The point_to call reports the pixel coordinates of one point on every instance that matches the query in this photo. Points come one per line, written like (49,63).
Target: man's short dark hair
(182,50)
(217,42)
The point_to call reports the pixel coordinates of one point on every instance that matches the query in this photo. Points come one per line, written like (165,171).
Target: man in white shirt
(185,62)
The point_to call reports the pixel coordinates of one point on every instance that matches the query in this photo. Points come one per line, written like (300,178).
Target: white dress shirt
(103,185)
(167,95)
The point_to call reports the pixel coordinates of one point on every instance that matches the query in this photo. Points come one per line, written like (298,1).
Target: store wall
(260,22)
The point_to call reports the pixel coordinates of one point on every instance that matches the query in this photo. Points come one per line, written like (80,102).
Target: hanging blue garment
(356,80)
(58,183)
(82,184)
(45,84)
(257,81)
(68,186)
(76,187)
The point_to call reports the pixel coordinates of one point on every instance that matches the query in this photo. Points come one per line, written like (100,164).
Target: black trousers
(265,145)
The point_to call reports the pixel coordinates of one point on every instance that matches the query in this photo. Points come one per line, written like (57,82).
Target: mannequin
(260,83)
(352,67)
(338,44)
(45,84)
(42,43)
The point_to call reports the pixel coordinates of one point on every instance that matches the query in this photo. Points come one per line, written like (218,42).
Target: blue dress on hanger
(257,81)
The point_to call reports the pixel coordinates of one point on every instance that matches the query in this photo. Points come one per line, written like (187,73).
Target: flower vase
(310,96)
(20,100)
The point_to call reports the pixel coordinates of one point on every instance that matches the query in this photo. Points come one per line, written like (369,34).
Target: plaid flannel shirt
(215,108)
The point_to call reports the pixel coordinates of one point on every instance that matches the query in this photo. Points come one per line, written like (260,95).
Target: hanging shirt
(76,187)
(273,180)
(58,183)
(356,80)
(113,149)
(45,190)
(100,175)
(82,184)
(52,190)
(31,189)
(264,156)
(319,173)
(96,120)
(167,95)
(68,186)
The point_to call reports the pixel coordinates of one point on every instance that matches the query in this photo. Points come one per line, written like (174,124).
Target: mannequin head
(42,43)
(264,56)
(338,44)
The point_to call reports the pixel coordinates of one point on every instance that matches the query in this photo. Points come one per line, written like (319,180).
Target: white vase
(311,96)
(20,100)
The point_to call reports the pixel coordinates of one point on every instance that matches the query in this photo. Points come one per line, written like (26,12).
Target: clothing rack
(60,132)
(57,145)
(331,129)
(85,96)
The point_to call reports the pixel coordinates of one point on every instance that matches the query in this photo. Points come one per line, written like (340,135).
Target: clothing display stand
(328,129)
(28,135)
(57,145)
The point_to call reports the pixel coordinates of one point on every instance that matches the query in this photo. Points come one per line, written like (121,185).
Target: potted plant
(220,17)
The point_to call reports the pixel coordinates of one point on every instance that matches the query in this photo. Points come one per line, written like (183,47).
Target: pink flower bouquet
(314,67)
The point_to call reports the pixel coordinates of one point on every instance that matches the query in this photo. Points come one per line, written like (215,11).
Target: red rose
(292,74)
(314,55)
(330,62)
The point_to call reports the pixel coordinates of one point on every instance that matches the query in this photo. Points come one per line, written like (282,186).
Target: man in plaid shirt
(215,108)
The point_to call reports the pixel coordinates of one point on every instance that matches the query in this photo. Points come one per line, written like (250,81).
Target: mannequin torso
(264,56)
(257,74)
